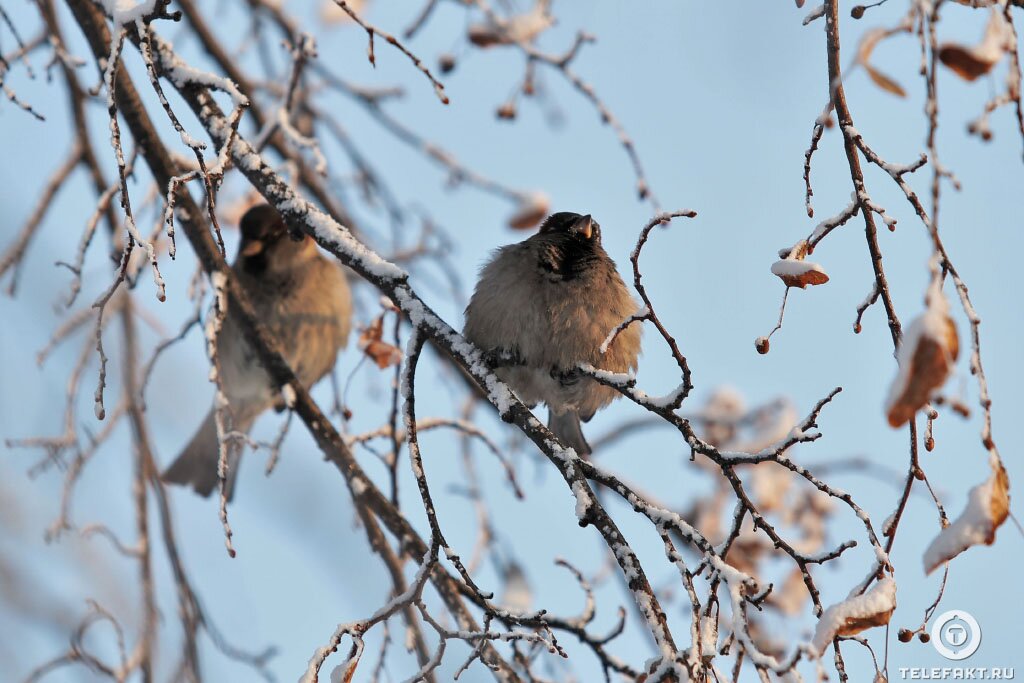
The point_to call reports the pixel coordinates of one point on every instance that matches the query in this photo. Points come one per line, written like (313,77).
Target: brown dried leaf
(884,82)
(484,35)
(530,211)
(794,271)
(747,551)
(864,50)
(770,485)
(798,273)
(521,28)
(971,62)
(345,671)
(930,364)
(791,598)
(963,61)
(988,506)
(999,503)
(868,43)
(856,614)
(854,625)
(371,343)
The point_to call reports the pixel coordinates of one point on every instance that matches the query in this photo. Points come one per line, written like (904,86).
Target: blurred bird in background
(545,305)
(304,300)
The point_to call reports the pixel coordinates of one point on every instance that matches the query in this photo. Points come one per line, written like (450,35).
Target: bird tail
(196,465)
(566,426)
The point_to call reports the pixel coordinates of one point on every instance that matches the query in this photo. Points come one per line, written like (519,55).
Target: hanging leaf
(799,273)
(521,28)
(794,271)
(970,62)
(371,343)
(988,505)
(770,485)
(344,672)
(926,356)
(747,551)
(532,209)
(864,50)
(884,82)
(856,614)
(791,598)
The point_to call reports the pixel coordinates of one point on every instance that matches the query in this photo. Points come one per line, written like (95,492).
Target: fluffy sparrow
(545,305)
(303,299)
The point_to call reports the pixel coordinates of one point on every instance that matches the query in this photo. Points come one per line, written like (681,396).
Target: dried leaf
(371,343)
(963,61)
(797,273)
(864,50)
(747,551)
(791,598)
(344,672)
(521,28)
(530,211)
(971,62)
(506,112)
(485,35)
(766,639)
(926,356)
(856,614)
(988,506)
(770,485)
(794,271)
(868,43)
(884,82)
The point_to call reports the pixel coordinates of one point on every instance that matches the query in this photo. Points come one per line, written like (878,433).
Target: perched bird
(545,305)
(304,300)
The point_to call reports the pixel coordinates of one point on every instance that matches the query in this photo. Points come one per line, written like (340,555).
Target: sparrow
(544,306)
(303,298)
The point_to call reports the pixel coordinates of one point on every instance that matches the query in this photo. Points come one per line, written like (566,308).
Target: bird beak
(584,225)
(252,248)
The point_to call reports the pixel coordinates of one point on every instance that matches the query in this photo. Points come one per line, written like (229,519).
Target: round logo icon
(956,635)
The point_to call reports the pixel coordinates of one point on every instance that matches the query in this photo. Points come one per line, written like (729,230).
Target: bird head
(268,242)
(583,229)
(568,245)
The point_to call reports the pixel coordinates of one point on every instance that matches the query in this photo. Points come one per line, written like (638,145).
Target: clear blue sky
(720,103)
